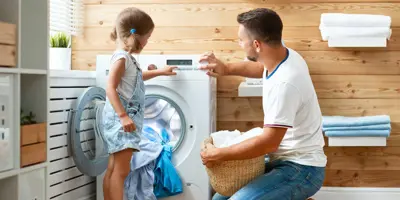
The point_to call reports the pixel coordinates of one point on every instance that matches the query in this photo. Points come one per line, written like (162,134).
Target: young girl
(124,108)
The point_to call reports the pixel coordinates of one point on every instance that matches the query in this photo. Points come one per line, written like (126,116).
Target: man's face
(247,44)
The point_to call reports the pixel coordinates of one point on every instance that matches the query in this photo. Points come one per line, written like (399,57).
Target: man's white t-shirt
(290,101)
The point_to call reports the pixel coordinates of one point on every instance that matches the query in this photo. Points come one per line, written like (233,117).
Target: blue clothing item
(283,180)
(152,173)
(140,181)
(167,181)
(340,121)
(115,137)
(366,127)
(358,133)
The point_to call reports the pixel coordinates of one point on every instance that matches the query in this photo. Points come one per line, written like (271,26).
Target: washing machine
(184,105)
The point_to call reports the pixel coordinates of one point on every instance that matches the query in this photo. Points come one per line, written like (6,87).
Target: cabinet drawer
(7,44)
(33,154)
(32,185)
(34,133)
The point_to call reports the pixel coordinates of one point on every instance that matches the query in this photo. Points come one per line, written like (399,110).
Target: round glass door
(165,118)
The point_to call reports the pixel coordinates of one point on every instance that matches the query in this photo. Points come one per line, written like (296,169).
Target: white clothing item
(128,80)
(245,136)
(335,32)
(290,101)
(228,138)
(221,137)
(355,20)
(357,42)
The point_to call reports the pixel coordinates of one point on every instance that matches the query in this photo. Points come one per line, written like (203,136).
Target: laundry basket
(228,177)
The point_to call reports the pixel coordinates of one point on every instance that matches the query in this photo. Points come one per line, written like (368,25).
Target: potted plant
(60,51)
(33,140)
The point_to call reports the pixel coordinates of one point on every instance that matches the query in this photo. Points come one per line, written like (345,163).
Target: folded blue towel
(358,133)
(366,127)
(340,121)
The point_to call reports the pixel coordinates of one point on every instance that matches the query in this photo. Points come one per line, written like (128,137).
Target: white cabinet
(24,87)
(6,122)
(32,185)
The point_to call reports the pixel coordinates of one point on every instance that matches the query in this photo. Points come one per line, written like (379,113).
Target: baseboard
(354,193)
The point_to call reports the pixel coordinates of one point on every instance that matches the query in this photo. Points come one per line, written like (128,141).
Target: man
(292,135)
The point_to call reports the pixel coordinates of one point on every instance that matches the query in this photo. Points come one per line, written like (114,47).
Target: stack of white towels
(355,30)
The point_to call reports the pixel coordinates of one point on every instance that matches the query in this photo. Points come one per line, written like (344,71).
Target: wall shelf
(246,90)
(22,71)
(28,83)
(357,141)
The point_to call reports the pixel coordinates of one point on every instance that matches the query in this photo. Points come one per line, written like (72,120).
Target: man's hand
(215,66)
(211,156)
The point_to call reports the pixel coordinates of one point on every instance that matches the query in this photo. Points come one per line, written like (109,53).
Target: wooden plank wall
(349,82)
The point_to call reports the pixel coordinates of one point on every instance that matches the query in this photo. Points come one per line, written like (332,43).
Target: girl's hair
(128,19)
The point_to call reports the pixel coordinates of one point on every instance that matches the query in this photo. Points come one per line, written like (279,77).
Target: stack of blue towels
(369,126)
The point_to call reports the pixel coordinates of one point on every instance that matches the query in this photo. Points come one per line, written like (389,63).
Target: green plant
(27,119)
(59,40)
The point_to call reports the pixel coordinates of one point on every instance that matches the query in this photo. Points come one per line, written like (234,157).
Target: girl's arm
(166,71)
(114,79)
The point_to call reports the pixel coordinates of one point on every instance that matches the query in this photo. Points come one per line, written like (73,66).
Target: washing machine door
(85,132)
(163,116)
(168,114)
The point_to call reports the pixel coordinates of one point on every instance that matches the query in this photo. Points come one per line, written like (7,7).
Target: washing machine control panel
(182,62)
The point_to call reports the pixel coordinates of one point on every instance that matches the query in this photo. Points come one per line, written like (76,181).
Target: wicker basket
(228,177)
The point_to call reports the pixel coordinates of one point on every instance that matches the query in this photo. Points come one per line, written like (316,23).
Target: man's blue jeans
(283,180)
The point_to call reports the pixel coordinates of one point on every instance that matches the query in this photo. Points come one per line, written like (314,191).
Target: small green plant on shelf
(59,40)
(27,119)
(60,51)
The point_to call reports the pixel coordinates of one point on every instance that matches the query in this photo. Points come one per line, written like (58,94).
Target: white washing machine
(185,105)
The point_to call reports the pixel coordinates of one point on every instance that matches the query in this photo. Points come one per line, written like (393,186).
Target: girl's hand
(128,124)
(168,70)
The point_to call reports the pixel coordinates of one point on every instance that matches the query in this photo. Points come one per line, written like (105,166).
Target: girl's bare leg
(121,168)
(107,178)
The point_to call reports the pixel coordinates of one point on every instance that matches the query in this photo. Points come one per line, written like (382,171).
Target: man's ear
(257,45)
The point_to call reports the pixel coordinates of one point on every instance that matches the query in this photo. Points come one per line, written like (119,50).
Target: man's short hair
(262,24)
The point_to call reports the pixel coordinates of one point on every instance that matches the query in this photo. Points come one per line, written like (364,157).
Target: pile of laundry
(227,138)
(152,173)
(368,126)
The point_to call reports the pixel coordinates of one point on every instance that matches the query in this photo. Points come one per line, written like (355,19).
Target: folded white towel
(355,20)
(357,42)
(328,32)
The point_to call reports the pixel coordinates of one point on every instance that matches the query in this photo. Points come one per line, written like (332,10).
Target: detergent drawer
(6,122)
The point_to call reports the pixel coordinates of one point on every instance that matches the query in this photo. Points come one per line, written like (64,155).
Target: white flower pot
(60,58)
